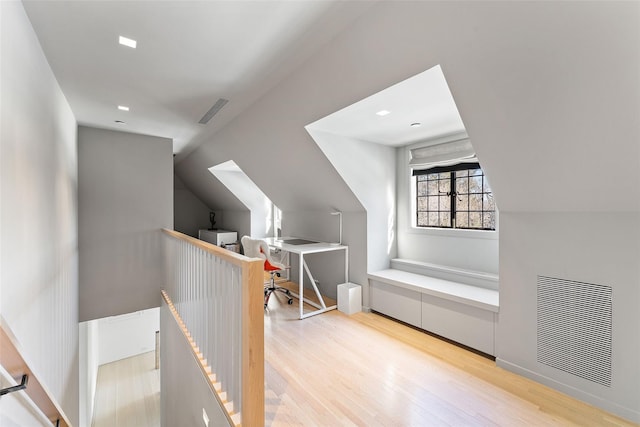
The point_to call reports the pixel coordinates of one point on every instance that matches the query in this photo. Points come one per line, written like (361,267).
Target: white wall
(249,194)
(38,217)
(598,248)
(125,199)
(141,327)
(470,250)
(103,341)
(89,362)
(369,170)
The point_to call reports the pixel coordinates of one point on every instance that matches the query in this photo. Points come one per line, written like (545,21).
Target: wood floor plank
(128,393)
(361,370)
(368,370)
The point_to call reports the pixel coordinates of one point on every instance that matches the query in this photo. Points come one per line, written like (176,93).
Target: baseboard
(612,407)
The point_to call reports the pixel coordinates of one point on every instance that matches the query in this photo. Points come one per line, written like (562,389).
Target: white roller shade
(442,154)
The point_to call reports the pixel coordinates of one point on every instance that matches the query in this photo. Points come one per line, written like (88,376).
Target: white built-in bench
(460,305)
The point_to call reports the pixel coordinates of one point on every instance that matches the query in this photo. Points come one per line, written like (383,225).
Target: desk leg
(300,282)
(315,287)
(346,264)
(321,307)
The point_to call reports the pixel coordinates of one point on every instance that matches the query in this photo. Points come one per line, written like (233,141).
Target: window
(455,196)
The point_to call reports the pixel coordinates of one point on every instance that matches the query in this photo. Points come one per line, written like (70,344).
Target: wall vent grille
(575,328)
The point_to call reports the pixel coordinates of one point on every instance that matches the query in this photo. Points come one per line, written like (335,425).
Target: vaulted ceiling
(547,91)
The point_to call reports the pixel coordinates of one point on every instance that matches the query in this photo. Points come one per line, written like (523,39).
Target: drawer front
(464,324)
(399,303)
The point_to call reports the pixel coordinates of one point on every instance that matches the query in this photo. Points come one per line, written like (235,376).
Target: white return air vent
(575,328)
(213,110)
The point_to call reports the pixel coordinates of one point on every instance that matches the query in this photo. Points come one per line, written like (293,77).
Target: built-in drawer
(462,323)
(399,303)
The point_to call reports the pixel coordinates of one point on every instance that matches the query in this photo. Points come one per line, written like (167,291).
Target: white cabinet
(399,303)
(460,312)
(471,326)
(349,298)
(218,237)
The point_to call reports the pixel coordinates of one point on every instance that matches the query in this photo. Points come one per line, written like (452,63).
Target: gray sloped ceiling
(534,84)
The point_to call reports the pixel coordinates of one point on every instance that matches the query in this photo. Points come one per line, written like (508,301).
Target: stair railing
(216,296)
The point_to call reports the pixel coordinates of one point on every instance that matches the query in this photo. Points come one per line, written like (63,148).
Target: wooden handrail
(13,361)
(253,343)
(229,256)
(252,333)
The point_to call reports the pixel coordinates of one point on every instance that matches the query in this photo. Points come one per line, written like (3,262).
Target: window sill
(455,232)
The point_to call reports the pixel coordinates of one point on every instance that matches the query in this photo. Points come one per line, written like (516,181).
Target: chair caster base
(290,301)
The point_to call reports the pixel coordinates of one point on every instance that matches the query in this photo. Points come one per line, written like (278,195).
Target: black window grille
(455,196)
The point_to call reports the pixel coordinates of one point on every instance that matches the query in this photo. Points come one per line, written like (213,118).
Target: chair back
(258,248)
(252,247)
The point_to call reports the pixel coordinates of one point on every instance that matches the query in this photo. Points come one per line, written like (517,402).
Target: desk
(302,248)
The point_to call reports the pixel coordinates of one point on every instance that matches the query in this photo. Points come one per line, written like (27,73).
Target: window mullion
(452,200)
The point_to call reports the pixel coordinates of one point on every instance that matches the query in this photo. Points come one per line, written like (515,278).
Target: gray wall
(238,221)
(125,197)
(38,214)
(598,248)
(185,392)
(328,268)
(548,93)
(190,214)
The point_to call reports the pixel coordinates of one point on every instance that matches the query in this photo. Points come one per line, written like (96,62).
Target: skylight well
(265,216)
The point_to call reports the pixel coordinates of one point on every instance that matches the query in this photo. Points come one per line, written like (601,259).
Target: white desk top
(307,248)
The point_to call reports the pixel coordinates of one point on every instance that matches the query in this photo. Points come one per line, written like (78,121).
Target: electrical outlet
(205,418)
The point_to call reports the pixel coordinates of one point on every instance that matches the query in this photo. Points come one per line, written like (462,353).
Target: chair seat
(259,249)
(270,267)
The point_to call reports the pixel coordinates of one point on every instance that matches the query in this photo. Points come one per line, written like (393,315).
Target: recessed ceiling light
(123,108)
(416,125)
(120,122)
(383,112)
(127,42)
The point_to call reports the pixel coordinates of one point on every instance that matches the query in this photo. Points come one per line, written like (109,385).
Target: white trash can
(349,298)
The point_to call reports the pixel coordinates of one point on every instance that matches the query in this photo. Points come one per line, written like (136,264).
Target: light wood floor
(128,393)
(368,370)
(360,370)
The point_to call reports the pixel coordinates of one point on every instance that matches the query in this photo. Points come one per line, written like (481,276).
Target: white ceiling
(424,98)
(189,54)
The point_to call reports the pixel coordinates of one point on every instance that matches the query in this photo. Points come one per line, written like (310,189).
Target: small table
(303,247)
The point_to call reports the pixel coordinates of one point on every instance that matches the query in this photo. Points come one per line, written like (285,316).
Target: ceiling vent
(213,110)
